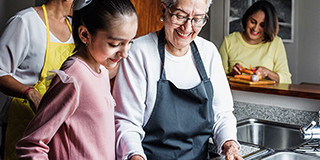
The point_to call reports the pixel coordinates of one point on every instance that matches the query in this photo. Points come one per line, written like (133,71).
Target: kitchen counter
(295,90)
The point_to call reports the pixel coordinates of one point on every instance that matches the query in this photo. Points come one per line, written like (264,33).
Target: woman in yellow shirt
(257,46)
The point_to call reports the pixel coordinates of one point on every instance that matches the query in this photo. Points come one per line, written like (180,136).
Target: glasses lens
(181,20)
(177,19)
(199,22)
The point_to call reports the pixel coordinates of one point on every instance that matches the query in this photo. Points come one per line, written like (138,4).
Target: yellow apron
(20,112)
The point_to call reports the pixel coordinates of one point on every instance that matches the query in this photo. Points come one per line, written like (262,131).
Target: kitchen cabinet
(149,14)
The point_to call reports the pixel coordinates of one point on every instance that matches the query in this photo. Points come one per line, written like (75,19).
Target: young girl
(76,115)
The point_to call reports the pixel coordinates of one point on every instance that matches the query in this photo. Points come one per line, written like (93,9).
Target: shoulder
(27,17)
(26,14)
(207,49)
(233,36)
(203,43)
(144,46)
(277,39)
(145,41)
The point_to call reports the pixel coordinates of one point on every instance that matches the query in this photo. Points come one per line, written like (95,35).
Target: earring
(161,19)
(86,44)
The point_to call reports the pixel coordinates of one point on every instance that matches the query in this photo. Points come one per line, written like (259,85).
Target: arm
(280,70)
(14,47)
(223,50)
(130,95)
(224,129)
(12,87)
(57,105)
(281,64)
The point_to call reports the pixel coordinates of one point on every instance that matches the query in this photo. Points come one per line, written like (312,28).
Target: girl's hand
(231,151)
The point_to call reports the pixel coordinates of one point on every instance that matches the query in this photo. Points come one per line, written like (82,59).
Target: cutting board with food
(250,77)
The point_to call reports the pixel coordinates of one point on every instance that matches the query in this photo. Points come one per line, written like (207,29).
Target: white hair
(170,3)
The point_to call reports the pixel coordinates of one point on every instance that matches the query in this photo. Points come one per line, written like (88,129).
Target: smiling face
(179,37)
(254,33)
(109,47)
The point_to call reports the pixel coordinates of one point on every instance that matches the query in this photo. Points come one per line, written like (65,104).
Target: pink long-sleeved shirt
(75,118)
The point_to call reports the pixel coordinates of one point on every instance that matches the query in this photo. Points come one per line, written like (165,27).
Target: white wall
(303,54)
(309,41)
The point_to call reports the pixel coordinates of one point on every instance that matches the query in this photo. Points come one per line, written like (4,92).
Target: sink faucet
(311,131)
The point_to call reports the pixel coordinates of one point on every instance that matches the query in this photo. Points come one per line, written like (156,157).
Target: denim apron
(20,112)
(182,119)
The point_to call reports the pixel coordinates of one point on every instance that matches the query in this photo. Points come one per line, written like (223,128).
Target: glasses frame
(186,19)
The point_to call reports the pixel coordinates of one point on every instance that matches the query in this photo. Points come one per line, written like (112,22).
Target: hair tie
(79,4)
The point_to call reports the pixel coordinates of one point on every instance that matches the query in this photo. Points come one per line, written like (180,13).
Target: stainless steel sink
(290,156)
(277,136)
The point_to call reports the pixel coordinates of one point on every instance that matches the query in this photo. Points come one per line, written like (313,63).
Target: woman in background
(36,40)
(76,115)
(257,46)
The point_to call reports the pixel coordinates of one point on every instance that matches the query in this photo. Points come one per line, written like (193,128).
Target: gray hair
(170,3)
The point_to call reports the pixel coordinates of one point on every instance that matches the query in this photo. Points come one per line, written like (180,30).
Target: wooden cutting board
(263,81)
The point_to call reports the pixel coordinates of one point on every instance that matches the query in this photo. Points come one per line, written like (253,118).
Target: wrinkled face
(179,36)
(254,29)
(109,47)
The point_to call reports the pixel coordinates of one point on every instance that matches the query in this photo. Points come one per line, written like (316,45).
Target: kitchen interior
(270,117)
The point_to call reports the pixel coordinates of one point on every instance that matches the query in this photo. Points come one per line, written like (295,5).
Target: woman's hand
(12,87)
(231,151)
(236,69)
(34,98)
(136,157)
(266,73)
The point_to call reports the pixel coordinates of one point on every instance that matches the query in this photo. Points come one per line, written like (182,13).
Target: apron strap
(198,61)
(195,53)
(46,22)
(161,49)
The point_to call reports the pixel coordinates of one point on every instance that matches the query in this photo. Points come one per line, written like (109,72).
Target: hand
(264,72)
(235,70)
(231,151)
(34,98)
(136,157)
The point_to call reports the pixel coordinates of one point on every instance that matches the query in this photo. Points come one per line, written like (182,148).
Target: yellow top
(271,55)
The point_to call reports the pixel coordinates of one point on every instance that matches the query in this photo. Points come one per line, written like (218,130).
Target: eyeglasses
(181,20)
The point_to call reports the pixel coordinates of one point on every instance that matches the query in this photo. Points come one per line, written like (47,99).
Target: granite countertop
(244,110)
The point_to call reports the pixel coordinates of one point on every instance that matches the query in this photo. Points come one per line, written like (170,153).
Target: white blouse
(23,47)
(22,50)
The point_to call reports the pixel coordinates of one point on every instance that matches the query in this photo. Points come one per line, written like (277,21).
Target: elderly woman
(36,40)
(258,45)
(172,93)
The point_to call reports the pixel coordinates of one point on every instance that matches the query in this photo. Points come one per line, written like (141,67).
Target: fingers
(230,148)
(237,68)
(263,71)
(233,156)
